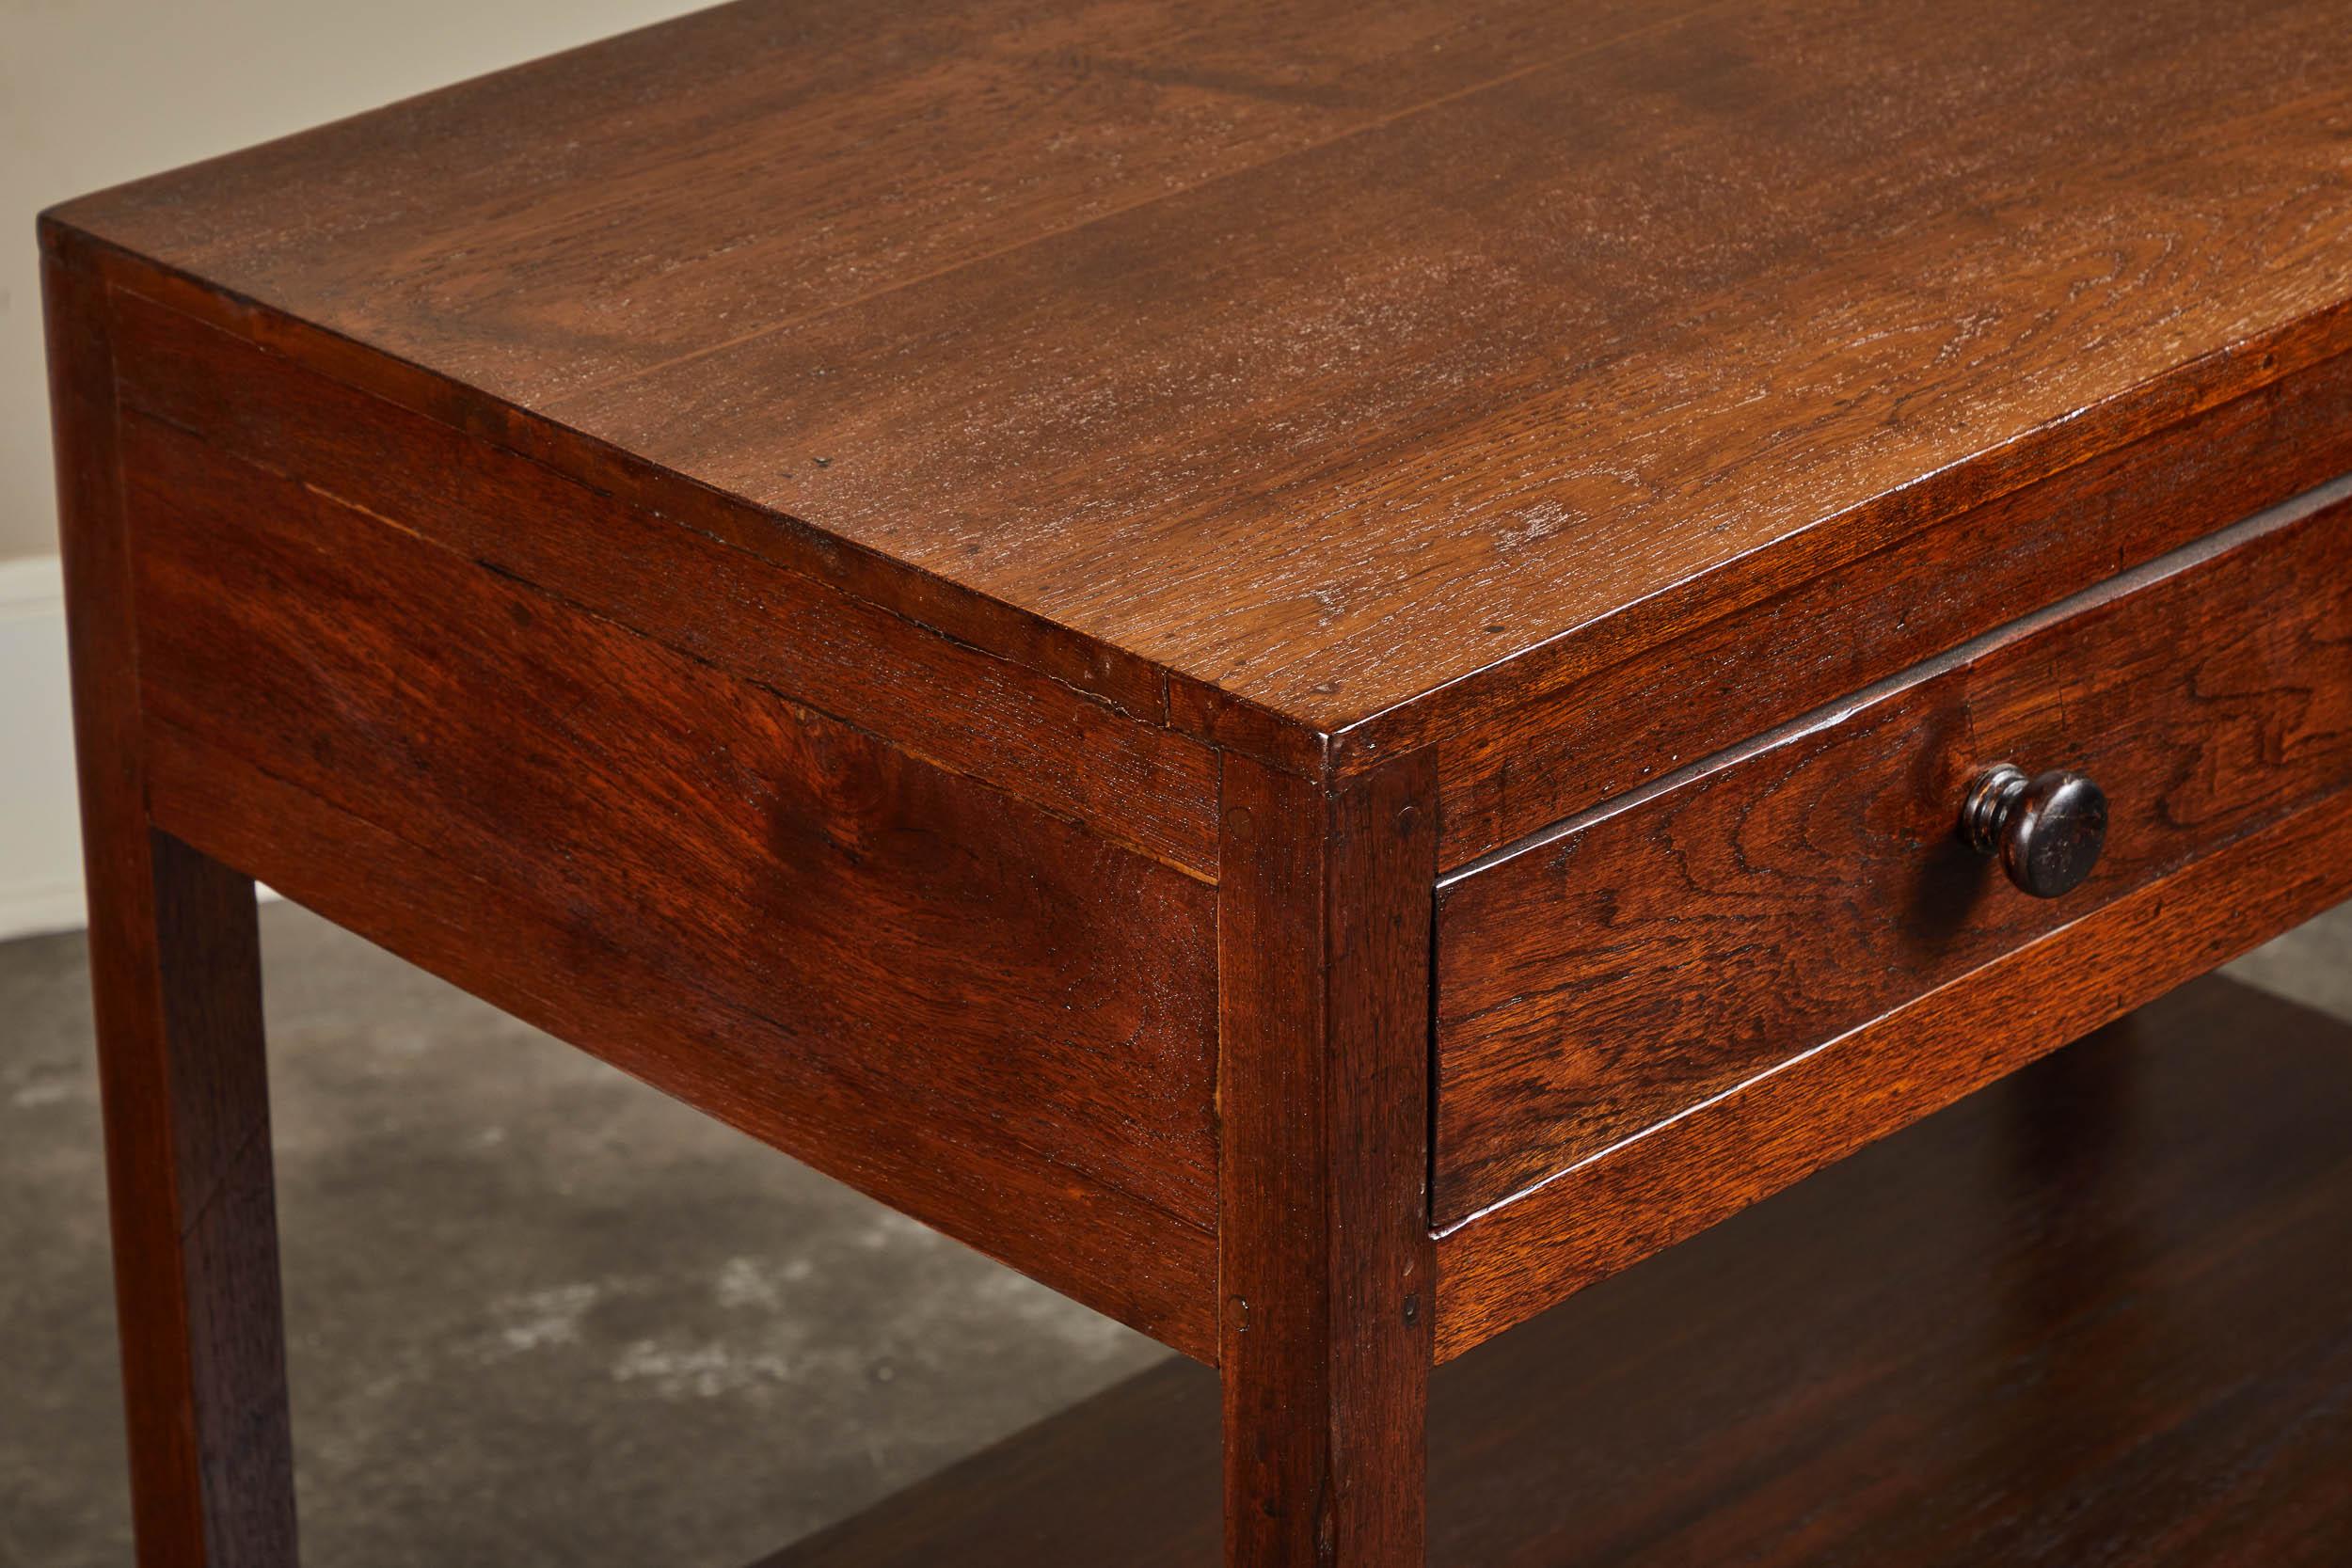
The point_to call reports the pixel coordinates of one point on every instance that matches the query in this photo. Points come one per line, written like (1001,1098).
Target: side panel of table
(539,741)
(666,563)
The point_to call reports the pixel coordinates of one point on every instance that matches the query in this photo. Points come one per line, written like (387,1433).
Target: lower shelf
(2099,1313)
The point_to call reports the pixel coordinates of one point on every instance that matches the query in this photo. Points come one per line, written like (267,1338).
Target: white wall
(93,92)
(41,856)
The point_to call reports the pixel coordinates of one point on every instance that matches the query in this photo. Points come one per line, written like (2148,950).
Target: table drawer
(1609,974)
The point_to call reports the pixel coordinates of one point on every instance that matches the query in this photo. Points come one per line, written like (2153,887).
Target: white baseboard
(40,840)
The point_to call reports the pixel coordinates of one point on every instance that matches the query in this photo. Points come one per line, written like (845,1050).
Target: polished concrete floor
(537,1313)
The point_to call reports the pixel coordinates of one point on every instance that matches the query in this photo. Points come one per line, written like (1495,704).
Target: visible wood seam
(135,701)
(1681,18)
(2315,882)
(2196,553)
(1358,746)
(1330,1087)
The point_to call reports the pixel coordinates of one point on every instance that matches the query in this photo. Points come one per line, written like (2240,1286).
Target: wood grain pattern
(1607,1214)
(941,583)
(593,988)
(992,626)
(1323,1250)
(1678,942)
(769,162)
(1628,306)
(1076,754)
(175,967)
(2020,1332)
(1571,731)
(918,949)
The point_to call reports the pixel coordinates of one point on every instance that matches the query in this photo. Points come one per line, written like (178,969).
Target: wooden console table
(1318,674)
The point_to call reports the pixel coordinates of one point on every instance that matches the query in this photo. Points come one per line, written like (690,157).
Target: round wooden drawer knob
(2048,830)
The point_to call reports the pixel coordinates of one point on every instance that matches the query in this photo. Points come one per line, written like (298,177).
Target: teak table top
(1325,359)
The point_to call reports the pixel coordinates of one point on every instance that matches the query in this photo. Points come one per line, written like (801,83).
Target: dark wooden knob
(2048,830)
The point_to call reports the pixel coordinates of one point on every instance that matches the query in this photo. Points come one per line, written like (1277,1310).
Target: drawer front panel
(1675,944)
(896,946)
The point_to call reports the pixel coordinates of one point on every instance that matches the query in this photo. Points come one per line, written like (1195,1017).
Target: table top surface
(1326,356)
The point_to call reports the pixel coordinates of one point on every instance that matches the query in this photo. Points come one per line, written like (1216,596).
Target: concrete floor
(539,1314)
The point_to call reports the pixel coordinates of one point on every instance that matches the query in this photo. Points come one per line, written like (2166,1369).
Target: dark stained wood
(1324,1261)
(2096,1314)
(1074,754)
(1588,309)
(592,986)
(1131,1476)
(175,966)
(932,603)
(1628,966)
(916,948)
(954,132)
(943,584)
(914,141)
(1610,1214)
(1571,729)
(1494,364)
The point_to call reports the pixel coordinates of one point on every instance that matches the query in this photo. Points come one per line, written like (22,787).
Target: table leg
(194,1228)
(1326,1259)
(176,973)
